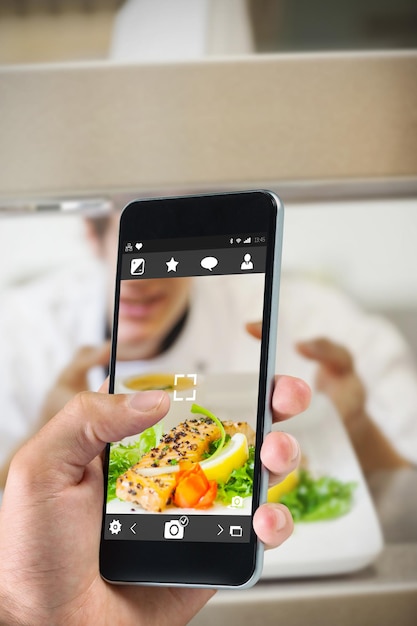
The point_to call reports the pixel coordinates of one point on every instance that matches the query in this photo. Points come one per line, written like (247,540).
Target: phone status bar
(133,246)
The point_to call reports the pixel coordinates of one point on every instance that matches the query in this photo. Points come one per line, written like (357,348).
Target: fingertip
(254,329)
(273,524)
(291,396)
(146,401)
(306,348)
(328,353)
(280,453)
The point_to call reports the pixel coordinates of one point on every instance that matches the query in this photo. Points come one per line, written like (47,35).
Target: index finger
(332,355)
(291,396)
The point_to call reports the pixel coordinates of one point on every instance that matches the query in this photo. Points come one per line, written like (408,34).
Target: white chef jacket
(44,323)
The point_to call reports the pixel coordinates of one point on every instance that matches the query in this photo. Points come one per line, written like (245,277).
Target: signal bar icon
(239,240)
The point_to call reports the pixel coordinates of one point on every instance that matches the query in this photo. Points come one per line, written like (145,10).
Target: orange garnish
(193,489)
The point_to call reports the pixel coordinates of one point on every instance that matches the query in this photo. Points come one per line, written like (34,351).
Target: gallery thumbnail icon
(137,267)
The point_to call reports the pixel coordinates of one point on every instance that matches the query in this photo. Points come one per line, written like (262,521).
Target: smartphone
(192,272)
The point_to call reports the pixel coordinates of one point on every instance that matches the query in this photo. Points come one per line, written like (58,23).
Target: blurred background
(379,273)
(37,31)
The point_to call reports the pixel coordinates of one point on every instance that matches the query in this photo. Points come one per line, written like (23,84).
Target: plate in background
(337,546)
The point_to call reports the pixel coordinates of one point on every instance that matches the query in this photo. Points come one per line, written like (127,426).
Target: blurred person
(53,505)
(55,337)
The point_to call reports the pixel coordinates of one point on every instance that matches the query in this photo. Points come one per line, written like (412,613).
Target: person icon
(247,263)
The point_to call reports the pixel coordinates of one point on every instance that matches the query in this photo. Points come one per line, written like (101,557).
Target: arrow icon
(221,529)
(132,528)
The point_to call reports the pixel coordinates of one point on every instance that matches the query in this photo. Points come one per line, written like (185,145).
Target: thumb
(63,448)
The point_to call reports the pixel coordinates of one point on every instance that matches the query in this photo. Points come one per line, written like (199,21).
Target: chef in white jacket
(55,342)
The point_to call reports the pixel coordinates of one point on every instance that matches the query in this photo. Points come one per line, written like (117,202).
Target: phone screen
(183,306)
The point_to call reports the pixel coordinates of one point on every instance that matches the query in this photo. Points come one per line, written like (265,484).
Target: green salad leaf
(124,456)
(318,499)
(213,447)
(195,408)
(240,482)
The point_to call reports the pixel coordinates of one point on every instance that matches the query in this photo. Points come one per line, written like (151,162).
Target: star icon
(172,265)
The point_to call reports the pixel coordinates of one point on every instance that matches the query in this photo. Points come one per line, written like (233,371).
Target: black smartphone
(193,273)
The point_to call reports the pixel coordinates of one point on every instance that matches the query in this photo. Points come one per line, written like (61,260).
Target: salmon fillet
(152,493)
(189,441)
(232,428)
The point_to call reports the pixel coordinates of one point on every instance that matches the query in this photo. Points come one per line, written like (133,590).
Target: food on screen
(167,382)
(197,463)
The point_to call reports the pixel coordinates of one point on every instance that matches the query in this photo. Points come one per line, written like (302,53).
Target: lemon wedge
(285,486)
(232,456)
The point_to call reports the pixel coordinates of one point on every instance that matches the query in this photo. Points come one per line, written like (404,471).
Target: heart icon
(138,246)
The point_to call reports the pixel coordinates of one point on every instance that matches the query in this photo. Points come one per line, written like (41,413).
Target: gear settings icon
(115,527)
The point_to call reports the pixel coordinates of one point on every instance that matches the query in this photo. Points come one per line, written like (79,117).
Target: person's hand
(51,515)
(336,376)
(74,378)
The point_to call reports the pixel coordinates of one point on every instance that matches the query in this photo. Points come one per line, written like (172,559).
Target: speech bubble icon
(209,262)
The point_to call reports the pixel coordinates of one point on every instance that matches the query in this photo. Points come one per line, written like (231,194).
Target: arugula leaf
(311,500)
(240,482)
(214,446)
(124,456)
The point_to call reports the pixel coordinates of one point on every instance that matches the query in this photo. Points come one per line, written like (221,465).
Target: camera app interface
(189,322)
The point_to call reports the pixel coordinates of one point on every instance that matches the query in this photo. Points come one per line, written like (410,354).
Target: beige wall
(105,128)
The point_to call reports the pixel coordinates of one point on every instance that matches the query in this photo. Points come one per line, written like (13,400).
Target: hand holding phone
(192,272)
(60,532)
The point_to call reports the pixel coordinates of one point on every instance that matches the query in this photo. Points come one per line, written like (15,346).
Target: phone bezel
(202,564)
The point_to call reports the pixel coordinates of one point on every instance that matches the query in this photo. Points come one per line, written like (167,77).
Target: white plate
(338,546)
